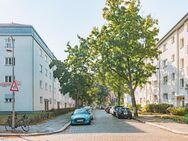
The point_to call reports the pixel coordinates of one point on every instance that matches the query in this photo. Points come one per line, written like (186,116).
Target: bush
(179,119)
(177,111)
(158,108)
(48,115)
(186,108)
(138,106)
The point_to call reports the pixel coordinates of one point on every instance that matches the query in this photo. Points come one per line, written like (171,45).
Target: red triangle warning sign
(14,86)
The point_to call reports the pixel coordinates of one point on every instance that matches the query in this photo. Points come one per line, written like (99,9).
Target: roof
(14,24)
(16,29)
(173,29)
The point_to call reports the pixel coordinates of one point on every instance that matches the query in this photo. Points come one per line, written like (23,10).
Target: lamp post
(12,40)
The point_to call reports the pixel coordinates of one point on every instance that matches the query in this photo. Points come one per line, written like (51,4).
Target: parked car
(114,109)
(123,112)
(90,111)
(80,116)
(111,111)
(107,109)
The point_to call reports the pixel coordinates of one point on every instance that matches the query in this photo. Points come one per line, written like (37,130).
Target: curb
(161,127)
(37,134)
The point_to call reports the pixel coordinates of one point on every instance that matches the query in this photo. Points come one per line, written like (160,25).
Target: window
(40,68)
(46,58)
(50,75)
(173,57)
(8,78)
(165,63)
(164,47)
(181,63)
(181,83)
(181,42)
(46,86)
(7,43)
(9,61)
(173,96)
(41,99)
(50,88)
(165,80)
(187,49)
(172,40)
(173,76)
(165,97)
(41,84)
(8,98)
(46,72)
(187,27)
(41,53)
(155,83)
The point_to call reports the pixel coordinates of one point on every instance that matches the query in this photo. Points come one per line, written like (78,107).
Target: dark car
(124,113)
(116,108)
(107,109)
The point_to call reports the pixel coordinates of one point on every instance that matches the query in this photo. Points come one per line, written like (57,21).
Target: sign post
(14,87)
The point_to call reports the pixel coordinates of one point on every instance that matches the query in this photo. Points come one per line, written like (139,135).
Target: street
(105,127)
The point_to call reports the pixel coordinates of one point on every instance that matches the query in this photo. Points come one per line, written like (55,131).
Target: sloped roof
(173,29)
(14,24)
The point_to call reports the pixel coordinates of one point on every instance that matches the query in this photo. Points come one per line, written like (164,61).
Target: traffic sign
(14,87)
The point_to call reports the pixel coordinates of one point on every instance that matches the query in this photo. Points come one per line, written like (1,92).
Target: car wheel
(118,116)
(89,122)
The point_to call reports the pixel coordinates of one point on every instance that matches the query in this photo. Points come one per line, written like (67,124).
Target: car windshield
(80,112)
(125,109)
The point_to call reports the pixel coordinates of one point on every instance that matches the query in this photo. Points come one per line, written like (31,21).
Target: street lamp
(12,40)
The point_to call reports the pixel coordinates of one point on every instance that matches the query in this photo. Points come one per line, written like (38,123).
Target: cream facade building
(170,83)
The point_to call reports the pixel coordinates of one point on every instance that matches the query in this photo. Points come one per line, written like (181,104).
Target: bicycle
(23,122)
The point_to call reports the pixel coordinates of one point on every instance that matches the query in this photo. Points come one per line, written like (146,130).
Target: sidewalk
(55,125)
(165,124)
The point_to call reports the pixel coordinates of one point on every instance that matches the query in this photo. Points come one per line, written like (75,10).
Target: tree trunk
(134,104)
(76,101)
(119,98)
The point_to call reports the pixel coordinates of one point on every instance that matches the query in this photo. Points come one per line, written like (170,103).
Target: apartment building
(38,89)
(170,83)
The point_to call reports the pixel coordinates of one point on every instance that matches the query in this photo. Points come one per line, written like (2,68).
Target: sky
(60,21)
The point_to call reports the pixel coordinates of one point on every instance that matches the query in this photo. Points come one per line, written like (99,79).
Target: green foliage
(37,117)
(179,119)
(119,55)
(138,106)
(177,111)
(122,46)
(157,108)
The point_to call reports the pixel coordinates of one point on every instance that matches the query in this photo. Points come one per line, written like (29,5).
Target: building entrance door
(58,105)
(46,104)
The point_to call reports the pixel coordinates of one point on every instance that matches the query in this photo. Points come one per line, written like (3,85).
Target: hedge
(37,117)
(157,108)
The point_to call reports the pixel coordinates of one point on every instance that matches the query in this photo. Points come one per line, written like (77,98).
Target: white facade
(38,90)
(170,83)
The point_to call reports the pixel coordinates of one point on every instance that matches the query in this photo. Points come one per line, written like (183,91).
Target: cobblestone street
(105,127)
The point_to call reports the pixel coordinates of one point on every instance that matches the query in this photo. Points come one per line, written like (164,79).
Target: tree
(74,73)
(126,45)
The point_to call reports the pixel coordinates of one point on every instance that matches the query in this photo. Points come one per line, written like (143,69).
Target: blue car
(80,116)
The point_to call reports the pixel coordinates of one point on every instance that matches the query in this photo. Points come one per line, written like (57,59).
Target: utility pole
(159,82)
(12,40)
